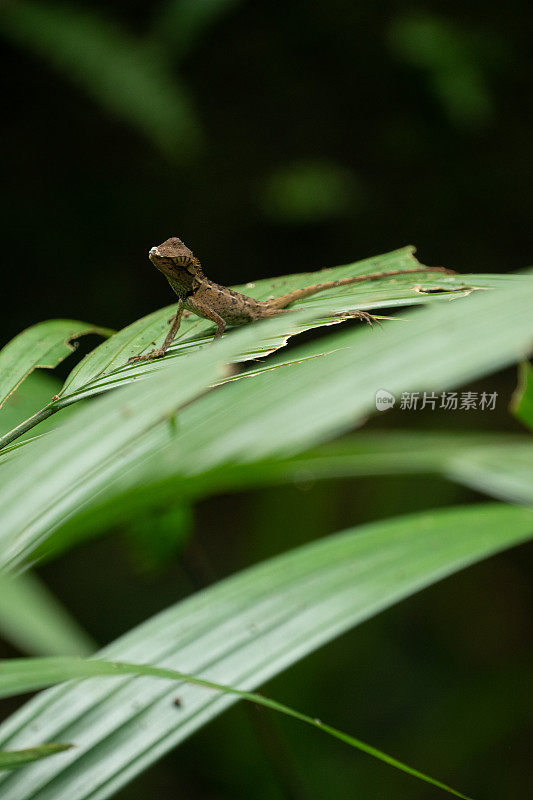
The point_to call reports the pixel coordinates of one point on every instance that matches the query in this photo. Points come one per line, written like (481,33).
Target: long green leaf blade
(505,460)
(240,633)
(498,465)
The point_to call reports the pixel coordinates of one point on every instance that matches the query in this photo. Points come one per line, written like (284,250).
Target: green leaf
(43,345)
(18,758)
(75,453)
(499,465)
(505,472)
(241,632)
(113,357)
(116,443)
(34,393)
(126,75)
(33,620)
(522,402)
(281,410)
(23,675)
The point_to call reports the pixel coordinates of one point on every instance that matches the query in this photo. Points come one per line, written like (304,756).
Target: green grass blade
(18,676)
(241,632)
(19,758)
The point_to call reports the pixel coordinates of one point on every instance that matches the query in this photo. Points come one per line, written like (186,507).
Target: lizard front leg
(160,351)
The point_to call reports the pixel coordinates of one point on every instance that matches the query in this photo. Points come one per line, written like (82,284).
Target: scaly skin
(223,306)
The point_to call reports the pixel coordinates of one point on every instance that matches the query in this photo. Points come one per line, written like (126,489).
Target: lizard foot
(364,316)
(158,353)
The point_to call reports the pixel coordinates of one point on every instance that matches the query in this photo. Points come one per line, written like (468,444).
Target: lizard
(205,298)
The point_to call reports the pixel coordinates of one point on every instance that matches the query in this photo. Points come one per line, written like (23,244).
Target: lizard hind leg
(364,316)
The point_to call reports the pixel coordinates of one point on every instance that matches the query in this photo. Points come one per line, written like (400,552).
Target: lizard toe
(147,356)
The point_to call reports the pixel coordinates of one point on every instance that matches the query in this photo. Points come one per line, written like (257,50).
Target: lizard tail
(299,294)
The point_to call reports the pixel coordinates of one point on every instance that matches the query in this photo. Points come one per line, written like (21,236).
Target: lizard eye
(183,261)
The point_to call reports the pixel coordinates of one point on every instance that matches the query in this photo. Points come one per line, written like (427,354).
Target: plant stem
(29,423)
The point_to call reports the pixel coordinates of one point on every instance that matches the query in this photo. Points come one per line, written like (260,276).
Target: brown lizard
(223,306)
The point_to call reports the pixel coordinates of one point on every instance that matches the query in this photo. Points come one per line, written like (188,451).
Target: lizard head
(176,261)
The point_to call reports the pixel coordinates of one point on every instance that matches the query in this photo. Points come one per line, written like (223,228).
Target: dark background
(272,138)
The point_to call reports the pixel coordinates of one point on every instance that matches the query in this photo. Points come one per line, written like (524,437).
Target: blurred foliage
(455,62)
(155,537)
(180,23)
(522,400)
(128,76)
(310,192)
